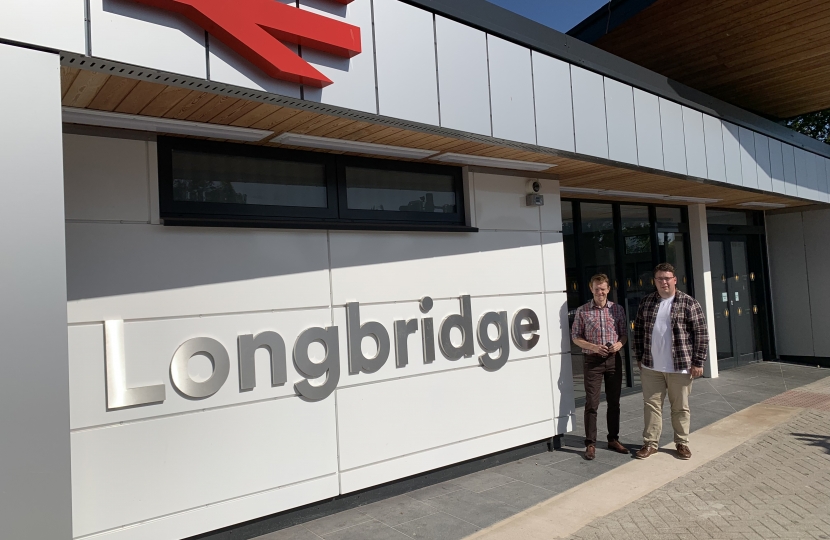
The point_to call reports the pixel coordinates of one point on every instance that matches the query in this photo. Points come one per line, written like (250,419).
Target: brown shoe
(590,452)
(646,451)
(617,447)
(683,452)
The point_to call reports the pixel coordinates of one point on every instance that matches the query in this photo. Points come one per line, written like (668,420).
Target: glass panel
(637,259)
(598,245)
(720,292)
(727,217)
(400,191)
(574,292)
(672,249)
(217,178)
(669,215)
(741,302)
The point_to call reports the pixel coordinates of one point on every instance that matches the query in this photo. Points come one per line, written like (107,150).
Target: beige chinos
(656,385)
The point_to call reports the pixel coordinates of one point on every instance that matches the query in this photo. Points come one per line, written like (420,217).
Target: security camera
(534,187)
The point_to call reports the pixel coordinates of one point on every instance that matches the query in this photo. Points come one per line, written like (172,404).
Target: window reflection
(399,191)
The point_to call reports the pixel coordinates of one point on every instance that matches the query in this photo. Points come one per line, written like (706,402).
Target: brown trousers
(597,369)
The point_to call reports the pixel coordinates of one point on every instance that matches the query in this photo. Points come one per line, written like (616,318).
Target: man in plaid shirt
(671,343)
(599,328)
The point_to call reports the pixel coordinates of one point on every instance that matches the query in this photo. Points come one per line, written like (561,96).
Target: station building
(263,254)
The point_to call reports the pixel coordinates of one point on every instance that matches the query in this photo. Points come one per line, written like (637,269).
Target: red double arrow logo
(256,29)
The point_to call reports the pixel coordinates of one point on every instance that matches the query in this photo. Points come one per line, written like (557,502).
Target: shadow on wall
(108,260)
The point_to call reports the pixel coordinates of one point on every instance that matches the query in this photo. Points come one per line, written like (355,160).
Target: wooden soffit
(82,88)
(771,57)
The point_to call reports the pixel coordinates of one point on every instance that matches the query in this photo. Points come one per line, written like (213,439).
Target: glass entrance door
(738,301)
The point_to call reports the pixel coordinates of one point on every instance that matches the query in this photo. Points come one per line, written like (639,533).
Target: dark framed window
(213,183)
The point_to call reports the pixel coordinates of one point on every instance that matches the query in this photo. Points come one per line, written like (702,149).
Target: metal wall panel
(405,53)
(55,24)
(790,284)
(674,142)
(353,78)
(511,91)
(554,105)
(762,157)
(649,135)
(619,111)
(816,226)
(144,36)
(790,176)
(776,158)
(815,169)
(695,143)
(463,81)
(589,112)
(749,166)
(732,153)
(713,138)
(34,387)
(826,188)
(805,168)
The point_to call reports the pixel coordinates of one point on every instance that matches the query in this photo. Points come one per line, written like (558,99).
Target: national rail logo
(256,30)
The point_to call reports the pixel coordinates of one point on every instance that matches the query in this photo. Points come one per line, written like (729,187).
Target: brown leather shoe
(617,447)
(590,452)
(646,451)
(683,452)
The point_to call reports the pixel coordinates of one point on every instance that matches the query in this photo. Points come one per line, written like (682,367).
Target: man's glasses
(664,279)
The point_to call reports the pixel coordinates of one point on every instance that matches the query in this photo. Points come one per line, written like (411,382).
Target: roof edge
(520,30)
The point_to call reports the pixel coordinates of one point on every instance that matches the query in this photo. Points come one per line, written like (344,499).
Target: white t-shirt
(661,339)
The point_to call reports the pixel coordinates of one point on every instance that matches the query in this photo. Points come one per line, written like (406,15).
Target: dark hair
(664,267)
(599,278)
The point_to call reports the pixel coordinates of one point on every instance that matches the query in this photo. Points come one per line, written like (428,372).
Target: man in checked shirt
(671,342)
(600,330)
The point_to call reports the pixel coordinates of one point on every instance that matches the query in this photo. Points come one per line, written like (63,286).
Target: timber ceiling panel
(767,56)
(112,93)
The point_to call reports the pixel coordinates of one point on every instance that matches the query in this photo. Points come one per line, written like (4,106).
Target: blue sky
(561,15)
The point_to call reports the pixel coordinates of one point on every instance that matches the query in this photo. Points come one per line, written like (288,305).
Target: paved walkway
(526,499)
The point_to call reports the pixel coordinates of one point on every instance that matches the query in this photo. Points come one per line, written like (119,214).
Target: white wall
(56,24)
(34,386)
(185,466)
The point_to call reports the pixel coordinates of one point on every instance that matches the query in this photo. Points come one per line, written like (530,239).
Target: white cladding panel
(144,470)
(713,137)
(150,346)
(554,106)
(405,436)
(386,314)
(589,112)
(55,24)
(749,166)
(674,143)
(732,153)
(553,251)
(145,271)
(353,78)
(803,164)
(776,160)
(106,178)
(552,211)
(228,67)
(790,175)
(762,157)
(405,56)
(826,186)
(619,111)
(511,91)
(463,77)
(385,267)
(695,143)
(500,204)
(559,332)
(649,136)
(145,36)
